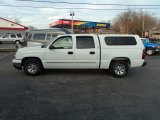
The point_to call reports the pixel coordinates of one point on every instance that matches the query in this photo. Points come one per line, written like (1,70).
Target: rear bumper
(144,64)
(17,64)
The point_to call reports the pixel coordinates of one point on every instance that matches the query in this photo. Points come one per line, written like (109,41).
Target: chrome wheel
(149,52)
(17,42)
(32,68)
(120,69)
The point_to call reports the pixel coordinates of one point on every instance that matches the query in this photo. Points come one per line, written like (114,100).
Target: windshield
(145,40)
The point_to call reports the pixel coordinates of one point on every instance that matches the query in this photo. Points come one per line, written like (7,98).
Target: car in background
(12,38)
(150,47)
(43,36)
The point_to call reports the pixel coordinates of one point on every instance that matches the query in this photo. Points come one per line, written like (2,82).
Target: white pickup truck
(84,51)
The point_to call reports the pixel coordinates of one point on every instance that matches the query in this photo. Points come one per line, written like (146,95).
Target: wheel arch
(17,40)
(26,58)
(121,59)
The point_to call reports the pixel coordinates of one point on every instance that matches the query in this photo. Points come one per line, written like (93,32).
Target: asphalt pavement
(79,94)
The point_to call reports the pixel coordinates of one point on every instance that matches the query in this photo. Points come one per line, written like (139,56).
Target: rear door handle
(92,52)
(70,52)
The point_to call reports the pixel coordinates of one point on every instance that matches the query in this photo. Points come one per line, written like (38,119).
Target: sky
(42,17)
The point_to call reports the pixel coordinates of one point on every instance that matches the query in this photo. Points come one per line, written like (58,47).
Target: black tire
(32,67)
(119,68)
(150,51)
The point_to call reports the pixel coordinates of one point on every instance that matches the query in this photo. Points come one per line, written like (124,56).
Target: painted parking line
(3,56)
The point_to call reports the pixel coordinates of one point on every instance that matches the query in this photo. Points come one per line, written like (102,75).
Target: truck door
(12,37)
(62,53)
(87,52)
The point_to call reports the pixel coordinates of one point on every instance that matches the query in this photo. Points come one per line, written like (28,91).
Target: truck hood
(151,44)
(30,48)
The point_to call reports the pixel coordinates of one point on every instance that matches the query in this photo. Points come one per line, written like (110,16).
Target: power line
(60,7)
(74,8)
(78,3)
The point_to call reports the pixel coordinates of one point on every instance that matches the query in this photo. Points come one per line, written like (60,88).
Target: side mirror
(51,47)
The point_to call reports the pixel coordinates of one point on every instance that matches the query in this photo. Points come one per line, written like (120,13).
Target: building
(7,26)
(154,34)
(81,26)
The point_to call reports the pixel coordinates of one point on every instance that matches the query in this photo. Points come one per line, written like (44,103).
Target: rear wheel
(119,68)
(32,67)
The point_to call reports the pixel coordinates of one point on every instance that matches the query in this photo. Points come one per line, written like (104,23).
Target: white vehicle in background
(12,38)
(43,36)
(84,51)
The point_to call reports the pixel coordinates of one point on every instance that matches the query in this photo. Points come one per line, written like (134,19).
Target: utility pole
(72,14)
(143,27)
(142,16)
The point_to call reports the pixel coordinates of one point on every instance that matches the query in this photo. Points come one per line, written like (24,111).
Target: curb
(7,50)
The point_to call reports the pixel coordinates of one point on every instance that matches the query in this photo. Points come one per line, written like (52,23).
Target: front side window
(120,40)
(85,42)
(146,40)
(39,36)
(29,37)
(63,43)
(6,36)
(49,36)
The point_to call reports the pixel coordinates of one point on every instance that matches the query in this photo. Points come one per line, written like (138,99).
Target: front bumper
(17,64)
(144,64)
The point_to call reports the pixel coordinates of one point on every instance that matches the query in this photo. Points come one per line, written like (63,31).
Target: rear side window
(39,36)
(120,41)
(85,42)
(19,35)
(13,36)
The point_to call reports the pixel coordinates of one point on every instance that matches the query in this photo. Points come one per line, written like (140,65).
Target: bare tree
(134,22)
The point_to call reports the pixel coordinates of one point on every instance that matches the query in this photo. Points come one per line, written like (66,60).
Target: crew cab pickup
(83,51)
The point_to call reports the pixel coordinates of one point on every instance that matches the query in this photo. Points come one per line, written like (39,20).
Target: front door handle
(92,52)
(70,52)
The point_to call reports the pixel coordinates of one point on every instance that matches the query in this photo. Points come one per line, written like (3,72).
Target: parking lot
(79,94)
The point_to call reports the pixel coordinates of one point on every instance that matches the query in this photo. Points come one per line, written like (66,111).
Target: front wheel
(17,42)
(32,67)
(150,52)
(119,68)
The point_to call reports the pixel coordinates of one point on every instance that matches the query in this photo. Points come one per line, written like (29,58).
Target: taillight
(143,54)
